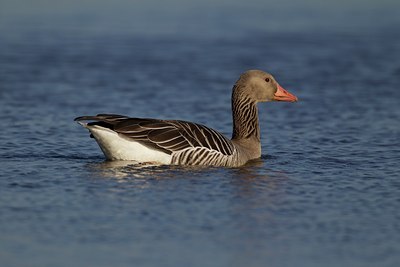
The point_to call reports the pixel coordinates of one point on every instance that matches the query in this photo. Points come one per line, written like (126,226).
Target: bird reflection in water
(131,169)
(245,175)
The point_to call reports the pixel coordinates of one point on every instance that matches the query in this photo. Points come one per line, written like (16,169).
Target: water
(325,192)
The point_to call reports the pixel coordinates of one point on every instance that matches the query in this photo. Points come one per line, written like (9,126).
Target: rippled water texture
(326,191)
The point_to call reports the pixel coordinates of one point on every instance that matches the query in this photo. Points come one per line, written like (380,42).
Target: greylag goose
(187,143)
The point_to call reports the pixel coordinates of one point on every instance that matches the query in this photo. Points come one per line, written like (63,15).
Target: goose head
(261,86)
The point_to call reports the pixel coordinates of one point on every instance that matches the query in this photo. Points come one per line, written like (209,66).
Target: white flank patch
(115,147)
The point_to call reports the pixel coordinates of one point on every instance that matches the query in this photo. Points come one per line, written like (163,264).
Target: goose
(177,142)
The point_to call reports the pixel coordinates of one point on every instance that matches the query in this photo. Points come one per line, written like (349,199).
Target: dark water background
(326,191)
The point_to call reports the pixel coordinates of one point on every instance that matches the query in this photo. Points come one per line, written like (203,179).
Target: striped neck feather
(245,117)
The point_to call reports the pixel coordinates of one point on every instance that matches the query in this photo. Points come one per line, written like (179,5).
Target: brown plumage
(187,143)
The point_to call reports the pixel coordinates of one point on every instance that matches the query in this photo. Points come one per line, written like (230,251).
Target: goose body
(186,143)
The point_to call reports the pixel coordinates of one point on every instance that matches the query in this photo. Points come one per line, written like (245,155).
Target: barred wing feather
(168,136)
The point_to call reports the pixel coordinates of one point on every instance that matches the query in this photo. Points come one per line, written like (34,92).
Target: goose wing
(166,135)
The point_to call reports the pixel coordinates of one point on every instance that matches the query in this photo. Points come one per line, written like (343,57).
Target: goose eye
(267,80)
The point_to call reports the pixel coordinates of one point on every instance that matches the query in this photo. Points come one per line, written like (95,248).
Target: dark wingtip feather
(85,118)
(100,117)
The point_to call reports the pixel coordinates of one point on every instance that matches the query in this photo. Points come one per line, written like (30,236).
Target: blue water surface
(326,191)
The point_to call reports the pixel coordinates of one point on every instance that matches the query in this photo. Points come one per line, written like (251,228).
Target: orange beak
(283,95)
